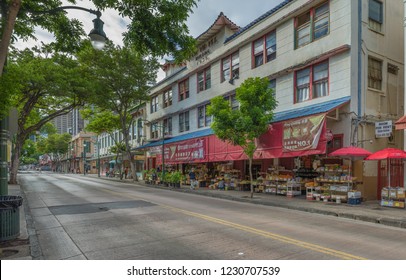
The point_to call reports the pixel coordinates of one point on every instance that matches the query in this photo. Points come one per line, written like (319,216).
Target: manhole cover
(7,253)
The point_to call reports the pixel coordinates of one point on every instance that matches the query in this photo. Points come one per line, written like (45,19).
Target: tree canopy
(243,126)
(123,78)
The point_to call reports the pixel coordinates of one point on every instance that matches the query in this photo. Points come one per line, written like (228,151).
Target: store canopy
(114,161)
(401,123)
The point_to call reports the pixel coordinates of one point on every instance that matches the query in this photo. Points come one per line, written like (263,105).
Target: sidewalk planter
(10,216)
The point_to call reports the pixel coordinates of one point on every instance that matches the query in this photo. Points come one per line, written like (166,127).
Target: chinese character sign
(302,134)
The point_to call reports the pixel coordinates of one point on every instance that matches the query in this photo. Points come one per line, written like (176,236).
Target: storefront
(289,151)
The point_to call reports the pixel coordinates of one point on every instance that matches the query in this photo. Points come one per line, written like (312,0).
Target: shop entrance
(396,174)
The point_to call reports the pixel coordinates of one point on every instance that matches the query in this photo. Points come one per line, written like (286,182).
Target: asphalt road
(77,217)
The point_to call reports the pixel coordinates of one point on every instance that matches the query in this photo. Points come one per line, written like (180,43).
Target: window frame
(167,98)
(263,53)
(311,82)
(374,23)
(154,130)
(205,83)
(184,121)
(154,104)
(206,120)
(370,74)
(168,127)
(183,94)
(311,25)
(234,70)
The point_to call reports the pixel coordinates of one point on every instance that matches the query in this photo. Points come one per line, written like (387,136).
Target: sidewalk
(26,245)
(369,211)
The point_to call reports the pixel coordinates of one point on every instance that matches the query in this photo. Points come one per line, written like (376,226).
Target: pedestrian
(126,172)
(192,178)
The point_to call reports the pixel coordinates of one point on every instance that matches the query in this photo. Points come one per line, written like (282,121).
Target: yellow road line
(281,238)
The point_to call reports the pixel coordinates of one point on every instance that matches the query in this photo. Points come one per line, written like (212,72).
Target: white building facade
(338,59)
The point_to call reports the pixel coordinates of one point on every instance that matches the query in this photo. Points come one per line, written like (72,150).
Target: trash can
(10,216)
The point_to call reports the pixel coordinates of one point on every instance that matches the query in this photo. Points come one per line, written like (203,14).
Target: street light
(84,158)
(97,36)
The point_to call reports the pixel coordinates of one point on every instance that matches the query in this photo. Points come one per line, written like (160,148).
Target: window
(375,15)
(268,42)
(336,143)
(374,73)
(312,25)
(167,98)
(154,104)
(320,80)
(312,82)
(203,80)
(154,130)
(232,99)
(168,126)
(272,85)
(204,120)
(184,90)
(184,121)
(231,67)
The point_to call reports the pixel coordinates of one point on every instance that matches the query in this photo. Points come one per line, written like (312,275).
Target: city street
(77,217)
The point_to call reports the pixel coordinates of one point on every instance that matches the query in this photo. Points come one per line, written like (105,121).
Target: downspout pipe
(359,58)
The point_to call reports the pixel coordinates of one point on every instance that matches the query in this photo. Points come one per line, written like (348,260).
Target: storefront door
(396,174)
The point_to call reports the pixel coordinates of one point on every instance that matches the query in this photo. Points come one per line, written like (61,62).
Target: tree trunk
(8,31)
(251,179)
(15,161)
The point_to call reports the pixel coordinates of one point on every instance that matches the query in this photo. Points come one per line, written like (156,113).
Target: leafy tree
(118,149)
(42,88)
(243,126)
(156,27)
(123,77)
(29,154)
(56,145)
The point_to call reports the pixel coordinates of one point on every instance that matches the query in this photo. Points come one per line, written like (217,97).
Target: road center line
(281,238)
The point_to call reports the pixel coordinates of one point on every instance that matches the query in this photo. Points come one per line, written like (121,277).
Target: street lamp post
(84,159)
(97,35)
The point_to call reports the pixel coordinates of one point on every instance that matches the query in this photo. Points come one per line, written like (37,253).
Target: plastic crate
(354,201)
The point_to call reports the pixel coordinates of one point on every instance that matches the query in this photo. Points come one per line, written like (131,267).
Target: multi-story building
(63,124)
(336,68)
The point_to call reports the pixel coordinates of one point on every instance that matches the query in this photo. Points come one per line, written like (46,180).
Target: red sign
(302,134)
(193,150)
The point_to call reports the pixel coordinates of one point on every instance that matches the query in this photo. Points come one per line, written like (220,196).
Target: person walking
(192,177)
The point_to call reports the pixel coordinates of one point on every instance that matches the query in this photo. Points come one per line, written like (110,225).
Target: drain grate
(7,253)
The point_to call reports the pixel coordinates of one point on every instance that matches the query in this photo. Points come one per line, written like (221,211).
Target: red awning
(401,123)
(291,138)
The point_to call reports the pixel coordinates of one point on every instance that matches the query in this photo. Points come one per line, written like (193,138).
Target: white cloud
(241,12)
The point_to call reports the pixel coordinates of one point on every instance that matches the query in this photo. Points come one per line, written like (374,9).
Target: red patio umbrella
(387,154)
(351,152)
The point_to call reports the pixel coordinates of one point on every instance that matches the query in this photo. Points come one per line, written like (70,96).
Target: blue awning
(313,109)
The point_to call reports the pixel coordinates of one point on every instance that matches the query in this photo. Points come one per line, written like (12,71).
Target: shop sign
(383,129)
(302,134)
(190,150)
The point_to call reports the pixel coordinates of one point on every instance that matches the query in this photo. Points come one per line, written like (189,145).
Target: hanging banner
(302,134)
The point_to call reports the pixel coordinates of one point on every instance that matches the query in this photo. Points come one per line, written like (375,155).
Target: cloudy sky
(241,12)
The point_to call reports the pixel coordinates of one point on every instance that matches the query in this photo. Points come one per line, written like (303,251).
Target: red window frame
(167,98)
(233,68)
(312,83)
(264,50)
(184,89)
(336,143)
(205,83)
